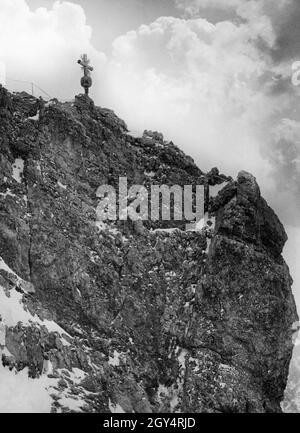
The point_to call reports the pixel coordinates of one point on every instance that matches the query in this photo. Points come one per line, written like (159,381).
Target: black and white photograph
(149,210)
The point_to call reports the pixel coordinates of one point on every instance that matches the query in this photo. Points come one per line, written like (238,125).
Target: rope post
(32,85)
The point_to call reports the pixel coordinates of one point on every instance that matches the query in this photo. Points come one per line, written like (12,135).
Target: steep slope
(131,316)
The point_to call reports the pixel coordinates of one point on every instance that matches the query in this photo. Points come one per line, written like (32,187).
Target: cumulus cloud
(42,46)
(280,15)
(287,29)
(221,9)
(203,84)
(283,151)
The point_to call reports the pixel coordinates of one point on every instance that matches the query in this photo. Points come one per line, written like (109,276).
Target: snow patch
(173,394)
(197,367)
(115,359)
(7,193)
(21,394)
(170,230)
(101,225)
(115,407)
(61,185)
(200,224)
(66,397)
(71,402)
(37,395)
(215,189)
(18,168)
(12,312)
(76,375)
(206,223)
(12,308)
(149,173)
(36,117)
(182,354)
(26,287)
(34,395)
(113,230)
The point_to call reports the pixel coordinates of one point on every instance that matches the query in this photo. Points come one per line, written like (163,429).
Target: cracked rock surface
(133,317)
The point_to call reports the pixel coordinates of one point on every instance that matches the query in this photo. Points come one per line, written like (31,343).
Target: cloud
(200,83)
(283,151)
(287,29)
(42,46)
(193,8)
(280,15)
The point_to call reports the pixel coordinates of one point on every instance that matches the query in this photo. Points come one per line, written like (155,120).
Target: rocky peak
(136,317)
(242,213)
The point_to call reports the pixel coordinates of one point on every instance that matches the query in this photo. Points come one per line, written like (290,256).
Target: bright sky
(213,75)
(112,18)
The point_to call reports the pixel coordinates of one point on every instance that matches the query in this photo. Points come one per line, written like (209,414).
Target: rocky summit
(132,316)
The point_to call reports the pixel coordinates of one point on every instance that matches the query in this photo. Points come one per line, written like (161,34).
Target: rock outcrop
(132,316)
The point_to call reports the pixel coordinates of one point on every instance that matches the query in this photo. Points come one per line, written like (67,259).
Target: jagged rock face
(121,316)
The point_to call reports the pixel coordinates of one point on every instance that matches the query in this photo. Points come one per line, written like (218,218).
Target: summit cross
(86,80)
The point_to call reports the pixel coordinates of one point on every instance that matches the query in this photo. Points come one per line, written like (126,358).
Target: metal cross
(86,80)
(85,63)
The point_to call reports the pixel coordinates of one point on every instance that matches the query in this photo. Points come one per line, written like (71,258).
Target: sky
(215,76)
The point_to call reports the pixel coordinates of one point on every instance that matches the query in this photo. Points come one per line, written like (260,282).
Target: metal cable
(32,86)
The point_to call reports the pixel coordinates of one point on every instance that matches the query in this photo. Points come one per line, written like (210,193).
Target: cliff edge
(126,316)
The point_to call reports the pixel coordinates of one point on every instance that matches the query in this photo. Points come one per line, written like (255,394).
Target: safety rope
(33,86)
